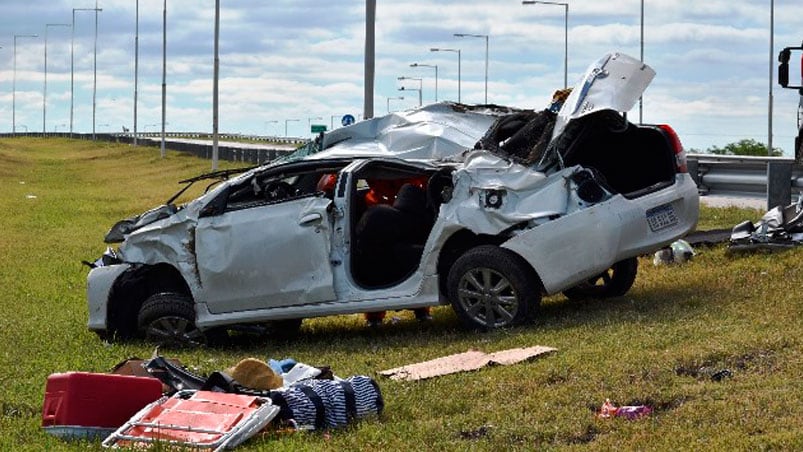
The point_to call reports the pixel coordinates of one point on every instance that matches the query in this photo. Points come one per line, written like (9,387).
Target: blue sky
(286,63)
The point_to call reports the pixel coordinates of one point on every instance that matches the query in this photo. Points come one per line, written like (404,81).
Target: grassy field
(658,345)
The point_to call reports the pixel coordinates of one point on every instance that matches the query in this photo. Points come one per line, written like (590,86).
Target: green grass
(657,345)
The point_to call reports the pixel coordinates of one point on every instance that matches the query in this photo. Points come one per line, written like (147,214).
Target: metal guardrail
(771,178)
(775,179)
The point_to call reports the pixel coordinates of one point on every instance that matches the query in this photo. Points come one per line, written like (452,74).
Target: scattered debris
(159,400)
(476,434)
(197,419)
(678,252)
(779,229)
(709,238)
(721,375)
(629,412)
(463,362)
(92,405)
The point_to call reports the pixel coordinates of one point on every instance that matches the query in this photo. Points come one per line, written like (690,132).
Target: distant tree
(744,147)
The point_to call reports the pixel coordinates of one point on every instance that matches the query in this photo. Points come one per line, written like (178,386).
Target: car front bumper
(99,285)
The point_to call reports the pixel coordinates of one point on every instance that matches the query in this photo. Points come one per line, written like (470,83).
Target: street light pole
(136,68)
(72,61)
(285,125)
(565,35)
(215,92)
(309,122)
(270,122)
(436,75)
(467,35)
(435,49)
(164,74)
(370,58)
(420,87)
(44,90)
(95,71)
(14,87)
(397,98)
(772,44)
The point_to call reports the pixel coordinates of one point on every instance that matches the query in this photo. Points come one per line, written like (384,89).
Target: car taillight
(677,147)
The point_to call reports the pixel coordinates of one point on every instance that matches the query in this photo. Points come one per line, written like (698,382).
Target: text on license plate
(661,217)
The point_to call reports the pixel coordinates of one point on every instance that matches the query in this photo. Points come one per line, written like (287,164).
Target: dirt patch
(9,410)
(476,434)
(718,366)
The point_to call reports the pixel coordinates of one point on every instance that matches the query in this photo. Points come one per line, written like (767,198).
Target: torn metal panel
(779,228)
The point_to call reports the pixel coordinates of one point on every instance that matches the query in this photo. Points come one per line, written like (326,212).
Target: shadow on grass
(350,333)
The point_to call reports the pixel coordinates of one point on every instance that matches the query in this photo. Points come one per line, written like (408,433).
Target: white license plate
(661,217)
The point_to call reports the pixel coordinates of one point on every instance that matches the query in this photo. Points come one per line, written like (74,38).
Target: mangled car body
(427,207)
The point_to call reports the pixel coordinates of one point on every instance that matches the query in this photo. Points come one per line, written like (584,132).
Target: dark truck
(783,80)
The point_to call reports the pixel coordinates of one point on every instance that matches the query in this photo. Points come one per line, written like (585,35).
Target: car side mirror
(783,68)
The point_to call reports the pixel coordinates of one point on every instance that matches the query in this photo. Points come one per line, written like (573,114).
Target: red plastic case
(78,402)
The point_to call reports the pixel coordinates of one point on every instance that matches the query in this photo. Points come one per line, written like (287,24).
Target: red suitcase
(83,404)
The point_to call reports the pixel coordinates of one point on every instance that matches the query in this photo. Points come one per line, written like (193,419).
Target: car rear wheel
(169,319)
(492,287)
(613,282)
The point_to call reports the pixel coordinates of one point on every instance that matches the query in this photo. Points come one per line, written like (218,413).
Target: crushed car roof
(432,132)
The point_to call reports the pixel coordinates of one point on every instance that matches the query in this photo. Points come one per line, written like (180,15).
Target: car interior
(392,217)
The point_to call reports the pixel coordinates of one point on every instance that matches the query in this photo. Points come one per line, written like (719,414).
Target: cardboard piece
(464,362)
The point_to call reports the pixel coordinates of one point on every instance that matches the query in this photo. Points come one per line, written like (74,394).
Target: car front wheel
(492,287)
(169,319)
(613,282)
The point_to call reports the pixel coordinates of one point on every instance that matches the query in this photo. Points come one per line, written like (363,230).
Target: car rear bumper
(584,243)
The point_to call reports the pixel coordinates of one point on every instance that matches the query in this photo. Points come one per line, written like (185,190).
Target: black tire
(169,320)
(491,287)
(613,282)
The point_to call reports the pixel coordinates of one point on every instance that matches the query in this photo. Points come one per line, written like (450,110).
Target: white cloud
(297,59)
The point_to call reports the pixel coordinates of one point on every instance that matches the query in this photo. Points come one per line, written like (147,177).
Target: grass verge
(659,345)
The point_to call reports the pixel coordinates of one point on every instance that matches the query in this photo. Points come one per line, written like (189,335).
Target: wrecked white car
(483,208)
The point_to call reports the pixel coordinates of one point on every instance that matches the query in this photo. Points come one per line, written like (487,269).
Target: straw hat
(256,374)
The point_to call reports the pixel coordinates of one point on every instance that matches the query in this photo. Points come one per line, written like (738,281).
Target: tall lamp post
(457,51)
(44,90)
(273,121)
(772,44)
(393,98)
(215,88)
(468,35)
(14,87)
(565,35)
(72,63)
(436,75)
(420,87)
(285,124)
(309,122)
(136,66)
(164,74)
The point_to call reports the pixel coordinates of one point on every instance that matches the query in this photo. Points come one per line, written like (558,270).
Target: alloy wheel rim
(488,297)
